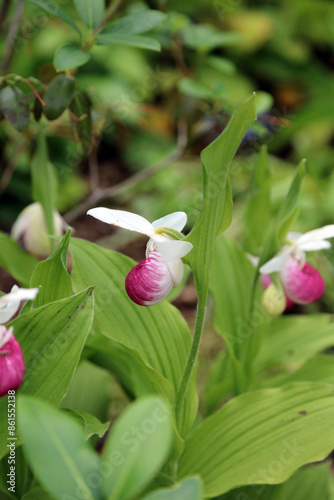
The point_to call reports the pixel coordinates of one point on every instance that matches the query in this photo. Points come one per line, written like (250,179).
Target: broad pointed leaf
(49,433)
(137,447)
(52,276)
(216,213)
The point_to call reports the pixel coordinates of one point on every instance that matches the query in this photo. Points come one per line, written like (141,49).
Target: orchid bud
(273,301)
(11,361)
(302,282)
(30,230)
(266,282)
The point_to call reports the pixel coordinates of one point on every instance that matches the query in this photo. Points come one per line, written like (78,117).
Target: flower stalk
(190,364)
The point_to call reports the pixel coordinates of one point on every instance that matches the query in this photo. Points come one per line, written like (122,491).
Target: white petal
(314,245)
(276,263)
(10,303)
(120,218)
(176,220)
(322,233)
(173,249)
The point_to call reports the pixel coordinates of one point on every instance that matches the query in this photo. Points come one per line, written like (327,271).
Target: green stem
(188,370)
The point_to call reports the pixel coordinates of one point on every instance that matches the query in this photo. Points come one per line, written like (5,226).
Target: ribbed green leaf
(141,42)
(15,260)
(141,439)
(257,214)
(279,429)
(231,288)
(54,9)
(52,276)
(135,24)
(58,454)
(293,339)
(51,338)
(69,56)
(90,11)
(136,377)
(188,489)
(158,334)
(216,213)
(317,369)
(311,483)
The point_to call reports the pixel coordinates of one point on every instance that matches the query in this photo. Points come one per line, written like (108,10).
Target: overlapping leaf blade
(280,429)
(51,338)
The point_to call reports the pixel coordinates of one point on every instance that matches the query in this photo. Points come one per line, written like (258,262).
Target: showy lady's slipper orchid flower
(11,357)
(301,282)
(11,361)
(31,232)
(150,281)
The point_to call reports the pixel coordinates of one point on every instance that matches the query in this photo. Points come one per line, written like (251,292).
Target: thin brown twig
(12,32)
(102,194)
(113,9)
(4,11)
(93,167)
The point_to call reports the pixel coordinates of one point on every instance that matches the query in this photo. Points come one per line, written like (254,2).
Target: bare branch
(102,194)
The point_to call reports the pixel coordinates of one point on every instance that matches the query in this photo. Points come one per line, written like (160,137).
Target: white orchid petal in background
(322,233)
(310,246)
(176,220)
(276,263)
(10,302)
(301,282)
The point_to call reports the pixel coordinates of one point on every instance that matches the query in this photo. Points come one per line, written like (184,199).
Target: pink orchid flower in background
(11,357)
(150,281)
(301,282)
